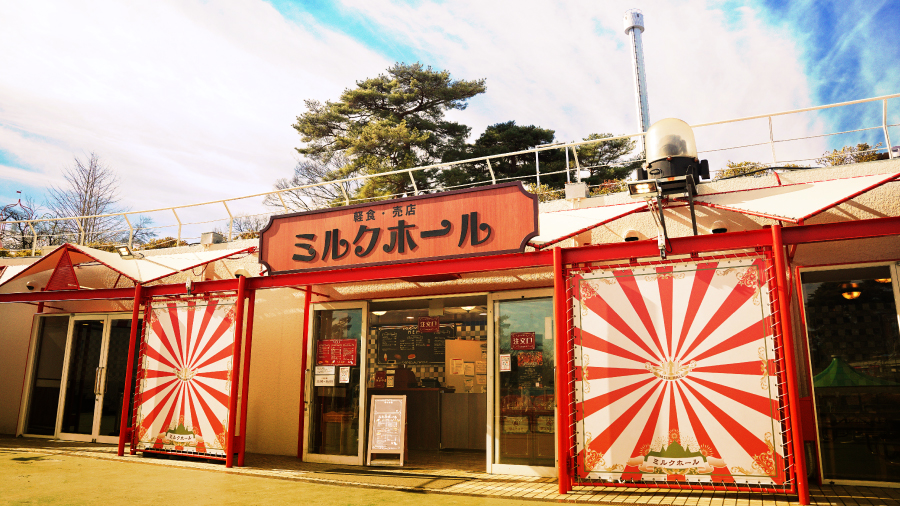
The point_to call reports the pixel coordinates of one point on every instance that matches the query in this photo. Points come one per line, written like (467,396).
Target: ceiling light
(410,317)
(379,313)
(850,291)
(883,280)
(468,308)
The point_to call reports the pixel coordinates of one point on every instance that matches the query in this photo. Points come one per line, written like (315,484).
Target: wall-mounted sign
(475,222)
(429,324)
(336,352)
(521,340)
(409,346)
(324,380)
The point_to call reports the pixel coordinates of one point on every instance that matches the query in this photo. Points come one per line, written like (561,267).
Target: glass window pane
(525,423)
(854,348)
(334,421)
(49,355)
(78,407)
(116,365)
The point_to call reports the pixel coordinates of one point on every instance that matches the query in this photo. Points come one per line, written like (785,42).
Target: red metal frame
(560,302)
(790,367)
(303,345)
(245,377)
(124,433)
(787,377)
(235,369)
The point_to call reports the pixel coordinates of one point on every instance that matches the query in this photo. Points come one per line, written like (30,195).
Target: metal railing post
(415,187)
(230,220)
(884,123)
(568,179)
(130,231)
(537,170)
(80,232)
(491,169)
(178,241)
(33,238)
(772,141)
(282,202)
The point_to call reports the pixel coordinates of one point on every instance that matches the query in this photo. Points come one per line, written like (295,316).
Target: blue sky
(192,101)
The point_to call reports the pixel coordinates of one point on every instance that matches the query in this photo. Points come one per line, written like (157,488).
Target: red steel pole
(303,339)
(235,369)
(790,365)
(245,380)
(562,381)
(129,370)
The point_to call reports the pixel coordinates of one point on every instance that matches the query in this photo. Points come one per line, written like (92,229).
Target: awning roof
(560,225)
(138,270)
(794,202)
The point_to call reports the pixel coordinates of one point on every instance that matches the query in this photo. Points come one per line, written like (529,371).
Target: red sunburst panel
(183,397)
(674,379)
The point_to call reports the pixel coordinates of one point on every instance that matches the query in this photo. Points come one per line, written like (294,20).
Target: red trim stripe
(595,404)
(628,282)
(207,316)
(216,394)
(703,439)
(666,283)
(607,372)
(176,333)
(753,401)
(753,368)
(602,309)
(632,472)
(224,325)
(702,278)
(755,332)
(593,342)
(164,339)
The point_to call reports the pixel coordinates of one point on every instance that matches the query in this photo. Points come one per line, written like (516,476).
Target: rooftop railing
(51,233)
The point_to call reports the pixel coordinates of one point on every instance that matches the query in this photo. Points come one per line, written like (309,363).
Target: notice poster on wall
(336,352)
(505,363)
(457,366)
(183,391)
(694,410)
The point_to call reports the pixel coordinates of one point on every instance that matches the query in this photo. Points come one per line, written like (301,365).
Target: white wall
(15,335)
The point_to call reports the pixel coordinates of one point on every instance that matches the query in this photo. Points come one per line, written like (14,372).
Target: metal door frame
(492,441)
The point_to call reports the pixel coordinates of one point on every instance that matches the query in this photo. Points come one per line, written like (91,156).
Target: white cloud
(192,101)
(568,66)
(188,101)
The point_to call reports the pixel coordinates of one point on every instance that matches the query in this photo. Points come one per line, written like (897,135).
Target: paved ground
(40,471)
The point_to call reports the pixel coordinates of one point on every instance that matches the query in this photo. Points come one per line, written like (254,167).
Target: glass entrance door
(854,350)
(524,406)
(94,379)
(335,411)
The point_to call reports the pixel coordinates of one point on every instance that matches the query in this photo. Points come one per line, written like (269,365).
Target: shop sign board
(672,388)
(336,352)
(387,426)
(480,221)
(522,341)
(185,368)
(406,345)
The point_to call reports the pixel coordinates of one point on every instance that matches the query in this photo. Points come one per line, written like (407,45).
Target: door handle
(97,381)
(103,380)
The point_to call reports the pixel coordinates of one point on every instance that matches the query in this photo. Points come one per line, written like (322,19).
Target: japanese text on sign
(336,352)
(475,222)
(522,341)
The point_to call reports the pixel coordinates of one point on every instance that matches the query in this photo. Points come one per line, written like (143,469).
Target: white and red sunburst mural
(182,402)
(675,374)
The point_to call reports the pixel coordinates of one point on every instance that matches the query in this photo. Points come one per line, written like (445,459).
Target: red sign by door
(336,352)
(522,341)
(429,324)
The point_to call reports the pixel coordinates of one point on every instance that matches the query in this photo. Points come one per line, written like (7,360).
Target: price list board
(407,346)
(387,426)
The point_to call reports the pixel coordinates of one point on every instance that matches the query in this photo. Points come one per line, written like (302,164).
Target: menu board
(407,346)
(387,426)
(336,352)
